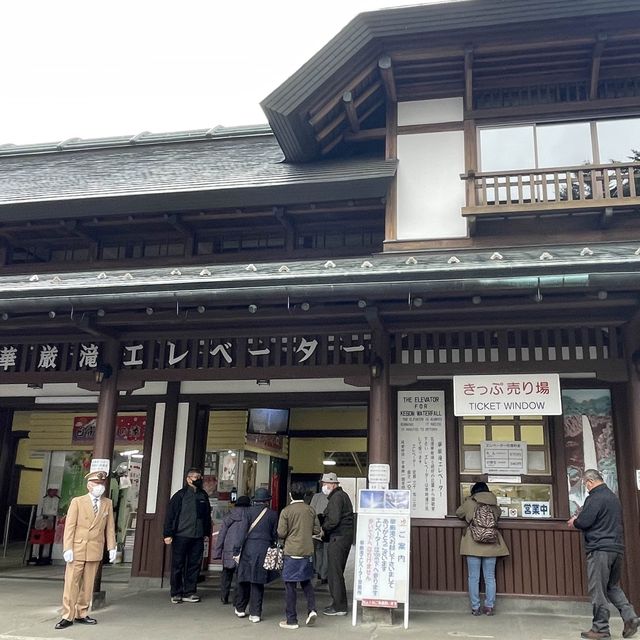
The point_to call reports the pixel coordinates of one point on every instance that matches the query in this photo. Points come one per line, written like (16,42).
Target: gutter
(132,295)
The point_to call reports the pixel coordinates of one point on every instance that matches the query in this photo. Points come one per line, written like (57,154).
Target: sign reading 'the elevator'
(422,460)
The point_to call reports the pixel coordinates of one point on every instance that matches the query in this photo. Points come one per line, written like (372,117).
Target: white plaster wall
(430,191)
(430,111)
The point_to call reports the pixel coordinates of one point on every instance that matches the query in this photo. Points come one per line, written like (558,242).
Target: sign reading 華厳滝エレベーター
(507,395)
(422,460)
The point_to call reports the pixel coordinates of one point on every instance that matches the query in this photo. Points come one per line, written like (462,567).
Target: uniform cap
(100,476)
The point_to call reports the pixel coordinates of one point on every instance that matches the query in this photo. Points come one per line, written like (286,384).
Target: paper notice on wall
(422,460)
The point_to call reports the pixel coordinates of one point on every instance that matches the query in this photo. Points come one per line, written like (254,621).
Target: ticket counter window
(530,495)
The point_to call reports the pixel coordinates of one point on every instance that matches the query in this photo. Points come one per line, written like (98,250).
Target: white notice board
(381,577)
(422,457)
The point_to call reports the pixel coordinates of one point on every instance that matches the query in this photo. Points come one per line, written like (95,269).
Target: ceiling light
(201,308)
(130,452)
(139,456)
(362,304)
(417,302)
(52,314)
(329,463)
(252,308)
(476,299)
(65,399)
(305,306)
(149,311)
(101,313)
(602,295)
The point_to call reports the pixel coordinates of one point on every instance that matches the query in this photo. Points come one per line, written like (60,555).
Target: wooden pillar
(8,447)
(107,404)
(150,554)
(379,432)
(628,445)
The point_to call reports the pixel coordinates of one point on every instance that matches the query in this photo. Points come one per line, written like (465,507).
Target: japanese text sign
(507,395)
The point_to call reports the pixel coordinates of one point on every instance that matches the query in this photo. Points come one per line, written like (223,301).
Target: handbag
(253,524)
(274,559)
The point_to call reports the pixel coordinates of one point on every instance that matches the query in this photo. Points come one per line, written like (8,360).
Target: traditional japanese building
(442,190)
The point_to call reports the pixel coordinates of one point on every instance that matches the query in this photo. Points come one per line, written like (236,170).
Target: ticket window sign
(381,577)
(507,395)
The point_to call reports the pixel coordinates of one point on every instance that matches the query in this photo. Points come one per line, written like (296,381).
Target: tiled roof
(231,170)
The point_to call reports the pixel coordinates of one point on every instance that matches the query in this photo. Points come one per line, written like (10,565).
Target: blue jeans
(474,563)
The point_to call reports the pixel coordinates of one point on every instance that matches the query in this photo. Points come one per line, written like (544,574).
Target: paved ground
(29,609)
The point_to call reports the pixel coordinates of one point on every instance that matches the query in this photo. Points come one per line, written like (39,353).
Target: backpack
(483,524)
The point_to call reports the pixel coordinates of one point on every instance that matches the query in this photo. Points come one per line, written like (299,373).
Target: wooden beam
(365,135)
(468,77)
(596,58)
(607,218)
(321,111)
(388,81)
(350,110)
(391,153)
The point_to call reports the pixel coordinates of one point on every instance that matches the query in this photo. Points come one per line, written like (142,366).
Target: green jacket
(296,527)
(468,546)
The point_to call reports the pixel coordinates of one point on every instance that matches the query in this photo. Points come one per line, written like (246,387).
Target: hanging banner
(536,394)
(129,429)
(381,576)
(422,461)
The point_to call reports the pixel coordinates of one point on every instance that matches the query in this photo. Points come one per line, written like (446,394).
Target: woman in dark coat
(251,574)
(229,543)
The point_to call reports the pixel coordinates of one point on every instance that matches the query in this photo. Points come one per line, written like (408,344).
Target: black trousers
(225,583)
(252,594)
(337,553)
(186,559)
(603,581)
(290,590)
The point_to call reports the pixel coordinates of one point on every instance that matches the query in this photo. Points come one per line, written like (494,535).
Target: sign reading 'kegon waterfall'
(507,395)
(422,459)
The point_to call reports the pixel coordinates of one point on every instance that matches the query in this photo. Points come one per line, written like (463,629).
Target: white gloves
(112,555)
(236,559)
(68,555)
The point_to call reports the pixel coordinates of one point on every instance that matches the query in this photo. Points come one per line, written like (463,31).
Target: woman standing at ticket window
(482,543)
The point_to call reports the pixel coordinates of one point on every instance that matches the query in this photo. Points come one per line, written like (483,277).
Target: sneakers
(630,628)
(283,624)
(176,599)
(476,612)
(489,611)
(254,618)
(331,611)
(594,635)
(191,598)
(240,614)
(311,619)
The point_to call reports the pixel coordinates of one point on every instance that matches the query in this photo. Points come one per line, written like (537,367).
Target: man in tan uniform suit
(89,520)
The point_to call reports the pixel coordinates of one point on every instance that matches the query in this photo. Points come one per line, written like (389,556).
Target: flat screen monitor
(272,421)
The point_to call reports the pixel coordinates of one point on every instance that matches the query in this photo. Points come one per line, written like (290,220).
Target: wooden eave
(425,48)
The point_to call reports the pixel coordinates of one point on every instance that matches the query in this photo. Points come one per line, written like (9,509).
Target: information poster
(422,460)
(381,576)
(504,457)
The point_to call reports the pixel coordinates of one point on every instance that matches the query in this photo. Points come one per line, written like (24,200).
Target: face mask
(97,490)
(326,489)
(197,483)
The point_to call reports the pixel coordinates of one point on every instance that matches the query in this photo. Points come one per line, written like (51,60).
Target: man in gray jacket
(600,521)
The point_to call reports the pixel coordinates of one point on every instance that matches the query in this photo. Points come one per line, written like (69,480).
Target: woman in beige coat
(481,555)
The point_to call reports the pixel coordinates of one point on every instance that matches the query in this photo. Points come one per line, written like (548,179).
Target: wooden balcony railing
(587,187)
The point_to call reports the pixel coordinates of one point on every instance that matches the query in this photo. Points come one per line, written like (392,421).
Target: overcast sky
(83,68)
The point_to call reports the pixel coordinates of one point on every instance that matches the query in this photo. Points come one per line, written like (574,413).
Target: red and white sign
(507,395)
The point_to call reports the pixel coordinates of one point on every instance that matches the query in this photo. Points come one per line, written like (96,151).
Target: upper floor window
(569,144)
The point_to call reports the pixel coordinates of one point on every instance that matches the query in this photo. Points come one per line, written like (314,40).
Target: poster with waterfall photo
(588,440)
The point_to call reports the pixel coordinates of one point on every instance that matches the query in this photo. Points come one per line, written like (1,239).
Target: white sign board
(422,458)
(504,457)
(379,476)
(507,395)
(381,577)
(100,464)
(532,509)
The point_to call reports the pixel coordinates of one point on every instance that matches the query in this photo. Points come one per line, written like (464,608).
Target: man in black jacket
(601,524)
(187,524)
(337,527)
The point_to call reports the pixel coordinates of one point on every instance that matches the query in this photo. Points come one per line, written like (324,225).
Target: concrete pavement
(29,609)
